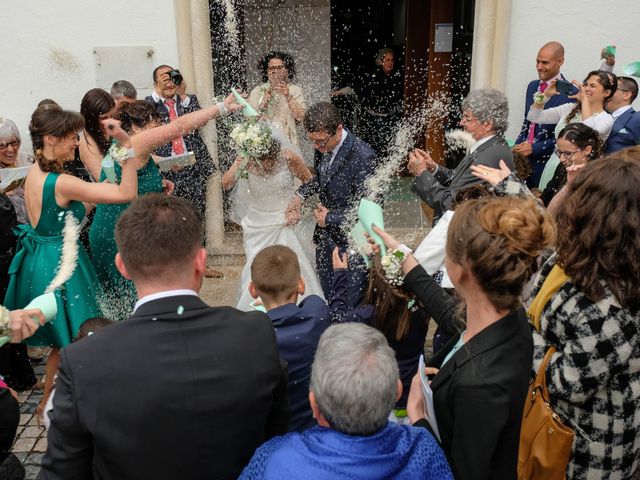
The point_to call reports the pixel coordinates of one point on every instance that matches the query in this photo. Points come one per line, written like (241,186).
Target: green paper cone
(247,109)
(109,169)
(610,50)
(370,212)
(357,234)
(632,69)
(47,303)
(4,340)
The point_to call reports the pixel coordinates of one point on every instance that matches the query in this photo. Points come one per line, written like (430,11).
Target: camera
(176,77)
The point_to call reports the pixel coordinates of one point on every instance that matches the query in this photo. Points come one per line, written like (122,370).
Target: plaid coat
(593,379)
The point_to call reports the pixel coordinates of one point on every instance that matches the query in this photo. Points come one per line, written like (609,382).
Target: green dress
(119,294)
(35,265)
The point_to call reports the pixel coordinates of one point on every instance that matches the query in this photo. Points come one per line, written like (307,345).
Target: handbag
(545,442)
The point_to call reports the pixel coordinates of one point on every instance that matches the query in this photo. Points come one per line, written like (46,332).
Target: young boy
(275,278)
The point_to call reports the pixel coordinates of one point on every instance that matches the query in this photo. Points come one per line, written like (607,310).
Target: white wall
(47,48)
(582,26)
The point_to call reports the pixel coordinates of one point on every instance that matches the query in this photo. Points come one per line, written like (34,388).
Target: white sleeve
(549,115)
(431,252)
(185,103)
(601,123)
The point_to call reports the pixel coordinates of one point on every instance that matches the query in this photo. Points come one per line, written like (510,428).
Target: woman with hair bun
(587,305)
(481,376)
(50,195)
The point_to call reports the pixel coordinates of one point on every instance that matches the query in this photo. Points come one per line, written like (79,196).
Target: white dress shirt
(165,294)
(619,111)
(185,103)
(335,151)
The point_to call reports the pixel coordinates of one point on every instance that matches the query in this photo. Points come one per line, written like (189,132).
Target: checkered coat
(593,379)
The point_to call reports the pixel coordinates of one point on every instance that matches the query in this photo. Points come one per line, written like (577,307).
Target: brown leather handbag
(545,443)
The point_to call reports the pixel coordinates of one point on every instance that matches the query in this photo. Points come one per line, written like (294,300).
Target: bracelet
(5,318)
(222,108)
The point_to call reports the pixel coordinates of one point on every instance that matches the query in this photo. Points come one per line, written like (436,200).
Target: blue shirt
(395,451)
(298,329)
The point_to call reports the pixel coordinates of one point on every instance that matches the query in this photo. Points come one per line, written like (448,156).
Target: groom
(342,164)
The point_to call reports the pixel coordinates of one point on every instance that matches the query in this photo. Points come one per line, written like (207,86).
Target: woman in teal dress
(50,194)
(118,293)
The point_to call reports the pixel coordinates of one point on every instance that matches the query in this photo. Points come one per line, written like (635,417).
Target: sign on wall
(132,63)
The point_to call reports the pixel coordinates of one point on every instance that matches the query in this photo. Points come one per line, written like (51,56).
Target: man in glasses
(626,121)
(343,163)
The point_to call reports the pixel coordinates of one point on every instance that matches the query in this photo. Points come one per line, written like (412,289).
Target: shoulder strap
(541,376)
(49,188)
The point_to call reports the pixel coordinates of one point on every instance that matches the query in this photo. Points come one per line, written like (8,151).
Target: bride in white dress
(260,202)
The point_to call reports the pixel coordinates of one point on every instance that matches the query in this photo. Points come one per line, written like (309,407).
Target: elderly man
(484,116)
(536,142)
(123,91)
(354,386)
(180,389)
(626,121)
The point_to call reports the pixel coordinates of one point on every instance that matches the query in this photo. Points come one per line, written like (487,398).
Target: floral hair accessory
(251,140)
(392,265)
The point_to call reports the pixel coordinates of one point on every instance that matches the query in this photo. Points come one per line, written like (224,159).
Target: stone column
(490,37)
(194,50)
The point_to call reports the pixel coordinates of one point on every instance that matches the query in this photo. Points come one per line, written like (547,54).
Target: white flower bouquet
(251,140)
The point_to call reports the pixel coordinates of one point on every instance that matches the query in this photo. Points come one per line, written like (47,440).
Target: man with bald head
(536,142)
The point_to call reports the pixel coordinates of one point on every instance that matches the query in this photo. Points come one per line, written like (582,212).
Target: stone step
(231,253)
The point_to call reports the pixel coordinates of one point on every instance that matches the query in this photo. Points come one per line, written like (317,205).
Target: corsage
(539,98)
(120,154)
(392,264)
(5,319)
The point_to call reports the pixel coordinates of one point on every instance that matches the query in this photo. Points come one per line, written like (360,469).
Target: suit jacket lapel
(469,159)
(622,120)
(339,159)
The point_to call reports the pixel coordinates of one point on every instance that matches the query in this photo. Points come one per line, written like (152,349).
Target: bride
(264,185)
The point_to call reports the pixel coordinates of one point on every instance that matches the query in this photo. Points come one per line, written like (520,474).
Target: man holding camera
(171,101)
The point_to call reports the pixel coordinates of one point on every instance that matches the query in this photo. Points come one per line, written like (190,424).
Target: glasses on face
(276,68)
(13,143)
(567,155)
(322,143)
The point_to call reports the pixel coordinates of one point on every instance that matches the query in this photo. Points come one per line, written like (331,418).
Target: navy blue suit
(544,140)
(625,132)
(190,182)
(340,190)
(298,330)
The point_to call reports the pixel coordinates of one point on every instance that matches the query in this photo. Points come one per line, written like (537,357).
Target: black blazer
(479,393)
(178,391)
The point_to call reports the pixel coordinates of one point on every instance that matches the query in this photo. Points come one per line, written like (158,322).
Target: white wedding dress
(260,204)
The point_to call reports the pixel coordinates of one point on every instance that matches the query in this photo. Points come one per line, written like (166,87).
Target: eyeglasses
(14,143)
(567,155)
(323,143)
(276,68)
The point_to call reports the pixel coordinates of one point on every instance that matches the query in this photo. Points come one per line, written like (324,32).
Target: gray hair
(488,105)
(9,129)
(354,378)
(381,53)
(123,88)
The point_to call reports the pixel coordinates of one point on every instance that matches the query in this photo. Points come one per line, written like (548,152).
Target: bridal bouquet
(251,140)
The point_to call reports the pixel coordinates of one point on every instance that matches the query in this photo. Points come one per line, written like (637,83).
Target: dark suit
(340,190)
(439,189)
(625,132)
(178,391)
(298,330)
(544,140)
(479,394)
(190,182)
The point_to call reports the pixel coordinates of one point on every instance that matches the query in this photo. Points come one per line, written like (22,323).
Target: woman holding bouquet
(264,173)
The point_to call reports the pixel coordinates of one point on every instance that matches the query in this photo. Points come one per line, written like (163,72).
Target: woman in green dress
(50,194)
(118,293)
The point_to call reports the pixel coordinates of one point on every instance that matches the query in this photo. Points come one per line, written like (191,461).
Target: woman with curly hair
(587,306)
(277,98)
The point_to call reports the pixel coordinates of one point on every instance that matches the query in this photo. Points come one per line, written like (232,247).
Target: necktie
(532,127)
(324,165)
(176,145)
